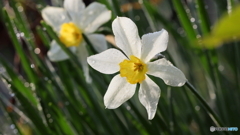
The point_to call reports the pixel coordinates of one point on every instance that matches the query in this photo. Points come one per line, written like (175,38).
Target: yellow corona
(70,34)
(134,70)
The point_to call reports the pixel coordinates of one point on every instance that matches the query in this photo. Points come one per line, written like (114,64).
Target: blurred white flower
(134,66)
(70,23)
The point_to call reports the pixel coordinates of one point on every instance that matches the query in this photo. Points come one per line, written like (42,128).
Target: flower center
(134,70)
(70,34)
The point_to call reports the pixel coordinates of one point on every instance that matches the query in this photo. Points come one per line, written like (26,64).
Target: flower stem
(211,113)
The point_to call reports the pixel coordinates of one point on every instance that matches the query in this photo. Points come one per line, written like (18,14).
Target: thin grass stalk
(202,14)
(198,119)
(19,49)
(212,114)
(149,9)
(10,115)
(22,24)
(28,108)
(184,19)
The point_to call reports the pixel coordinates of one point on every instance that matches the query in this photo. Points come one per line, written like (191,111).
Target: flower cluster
(134,65)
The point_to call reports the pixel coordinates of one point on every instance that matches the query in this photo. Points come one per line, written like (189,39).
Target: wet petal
(74,8)
(163,69)
(56,53)
(153,43)
(98,41)
(149,94)
(107,62)
(94,16)
(118,92)
(55,17)
(126,36)
(82,55)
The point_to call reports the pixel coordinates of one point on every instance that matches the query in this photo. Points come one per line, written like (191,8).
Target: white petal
(94,16)
(126,36)
(107,62)
(55,17)
(118,92)
(56,53)
(82,54)
(74,8)
(149,94)
(163,69)
(98,41)
(154,43)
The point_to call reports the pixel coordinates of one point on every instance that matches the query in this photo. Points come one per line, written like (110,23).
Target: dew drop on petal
(166,81)
(180,84)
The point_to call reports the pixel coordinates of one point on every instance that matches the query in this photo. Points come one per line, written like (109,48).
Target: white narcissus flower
(135,66)
(70,23)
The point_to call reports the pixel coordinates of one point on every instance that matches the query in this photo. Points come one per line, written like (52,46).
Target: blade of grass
(17,45)
(205,24)
(10,115)
(212,114)
(184,19)
(29,109)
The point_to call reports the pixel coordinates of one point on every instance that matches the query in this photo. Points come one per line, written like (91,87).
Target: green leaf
(227,29)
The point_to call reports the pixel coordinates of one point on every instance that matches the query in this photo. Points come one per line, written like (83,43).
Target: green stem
(202,13)
(19,49)
(211,113)
(184,19)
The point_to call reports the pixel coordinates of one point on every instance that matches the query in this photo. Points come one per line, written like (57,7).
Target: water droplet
(37,50)
(198,36)
(48,115)
(39,108)
(128,108)
(12,126)
(192,19)
(93,61)
(180,84)
(194,26)
(220,67)
(50,120)
(137,18)
(197,108)
(20,8)
(15,131)
(12,94)
(32,65)
(26,84)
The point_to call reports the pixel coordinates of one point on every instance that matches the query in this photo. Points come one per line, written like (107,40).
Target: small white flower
(70,23)
(135,65)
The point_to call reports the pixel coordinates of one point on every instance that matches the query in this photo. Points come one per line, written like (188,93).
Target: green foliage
(225,30)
